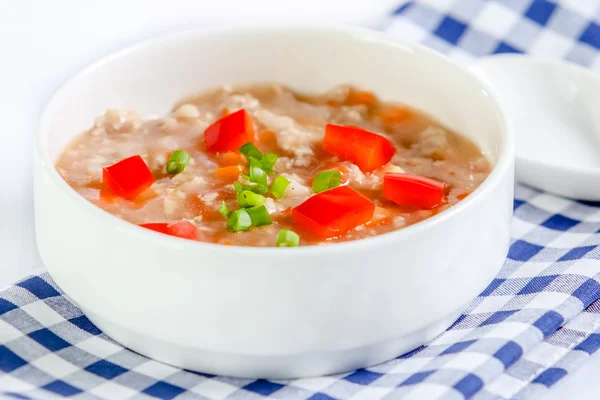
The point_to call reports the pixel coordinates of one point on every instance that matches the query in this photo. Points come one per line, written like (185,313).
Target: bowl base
(288,366)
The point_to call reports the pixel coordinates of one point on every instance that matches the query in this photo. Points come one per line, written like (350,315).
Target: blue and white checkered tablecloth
(535,323)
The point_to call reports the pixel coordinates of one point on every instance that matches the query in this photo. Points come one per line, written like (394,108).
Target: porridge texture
(336,166)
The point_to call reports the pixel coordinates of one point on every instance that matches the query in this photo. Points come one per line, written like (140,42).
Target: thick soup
(265,166)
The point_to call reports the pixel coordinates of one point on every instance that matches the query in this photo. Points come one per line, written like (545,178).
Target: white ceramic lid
(554,110)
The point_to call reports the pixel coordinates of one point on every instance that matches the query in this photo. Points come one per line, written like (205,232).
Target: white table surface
(43,42)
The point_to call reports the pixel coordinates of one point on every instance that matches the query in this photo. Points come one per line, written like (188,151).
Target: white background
(43,42)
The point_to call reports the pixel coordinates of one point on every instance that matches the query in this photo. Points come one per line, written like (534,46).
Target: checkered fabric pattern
(536,322)
(468,29)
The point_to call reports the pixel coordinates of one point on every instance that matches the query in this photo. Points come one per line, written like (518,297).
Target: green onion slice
(251,196)
(238,187)
(248,198)
(269,161)
(259,216)
(326,180)
(250,150)
(256,188)
(255,162)
(257,159)
(239,221)
(258,175)
(224,210)
(279,186)
(177,162)
(287,238)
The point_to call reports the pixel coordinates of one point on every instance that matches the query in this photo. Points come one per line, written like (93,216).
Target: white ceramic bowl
(270,312)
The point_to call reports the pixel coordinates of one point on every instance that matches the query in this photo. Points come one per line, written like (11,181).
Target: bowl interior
(151,77)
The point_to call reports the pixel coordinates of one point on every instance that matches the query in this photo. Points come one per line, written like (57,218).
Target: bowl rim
(494,179)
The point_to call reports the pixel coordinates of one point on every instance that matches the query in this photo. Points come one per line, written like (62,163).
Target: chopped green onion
(223,210)
(255,162)
(177,162)
(241,200)
(258,175)
(279,186)
(250,199)
(256,188)
(239,221)
(257,159)
(287,238)
(326,180)
(238,187)
(251,196)
(269,161)
(259,216)
(250,150)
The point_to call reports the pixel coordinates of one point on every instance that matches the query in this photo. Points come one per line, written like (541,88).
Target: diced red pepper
(366,149)
(182,229)
(413,191)
(230,132)
(333,212)
(157,227)
(128,178)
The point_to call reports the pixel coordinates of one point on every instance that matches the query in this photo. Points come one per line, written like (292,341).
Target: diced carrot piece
(230,158)
(228,174)
(268,138)
(462,196)
(395,115)
(356,97)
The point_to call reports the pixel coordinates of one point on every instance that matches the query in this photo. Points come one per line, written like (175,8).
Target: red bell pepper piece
(413,191)
(182,229)
(333,212)
(128,178)
(230,132)
(366,149)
